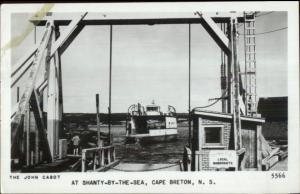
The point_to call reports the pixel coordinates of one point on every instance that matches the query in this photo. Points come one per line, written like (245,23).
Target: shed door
(249,142)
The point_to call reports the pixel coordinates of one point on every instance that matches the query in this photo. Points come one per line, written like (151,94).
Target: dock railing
(98,159)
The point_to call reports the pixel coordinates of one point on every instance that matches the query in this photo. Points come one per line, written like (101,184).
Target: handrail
(96,148)
(97,159)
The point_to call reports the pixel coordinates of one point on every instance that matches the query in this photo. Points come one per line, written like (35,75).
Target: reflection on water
(164,152)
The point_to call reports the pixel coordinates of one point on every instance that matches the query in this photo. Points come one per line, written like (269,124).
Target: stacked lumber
(269,155)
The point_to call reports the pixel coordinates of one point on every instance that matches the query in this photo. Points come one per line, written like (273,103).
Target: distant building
(275,112)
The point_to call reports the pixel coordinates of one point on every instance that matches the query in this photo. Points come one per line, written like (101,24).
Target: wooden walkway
(139,167)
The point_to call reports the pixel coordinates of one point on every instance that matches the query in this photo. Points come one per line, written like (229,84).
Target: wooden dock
(140,167)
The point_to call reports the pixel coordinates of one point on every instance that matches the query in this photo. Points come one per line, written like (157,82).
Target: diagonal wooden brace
(68,35)
(17,121)
(38,115)
(215,32)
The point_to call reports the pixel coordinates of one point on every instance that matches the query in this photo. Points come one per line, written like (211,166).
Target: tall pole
(110,68)
(223,76)
(246,70)
(236,107)
(190,127)
(229,71)
(98,121)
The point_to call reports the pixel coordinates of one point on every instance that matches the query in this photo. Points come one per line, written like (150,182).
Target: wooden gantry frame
(47,54)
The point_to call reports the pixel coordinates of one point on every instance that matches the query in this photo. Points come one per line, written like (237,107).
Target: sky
(151,63)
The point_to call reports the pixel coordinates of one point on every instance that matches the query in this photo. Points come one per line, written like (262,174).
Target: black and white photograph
(139,91)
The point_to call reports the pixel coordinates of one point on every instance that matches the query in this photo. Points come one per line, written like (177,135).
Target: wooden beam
(17,75)
(147,18)
(14,110)
(19,117)
(38,115)
(23,60)
(41,85)
(236,87)
(215,32)
(54,112)
(68,35)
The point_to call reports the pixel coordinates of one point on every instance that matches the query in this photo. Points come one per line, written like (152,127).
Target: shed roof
(227,116)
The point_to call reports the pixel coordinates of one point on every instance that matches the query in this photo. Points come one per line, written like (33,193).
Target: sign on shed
(222,159)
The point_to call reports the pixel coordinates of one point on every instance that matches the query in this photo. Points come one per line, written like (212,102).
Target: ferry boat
(149,125)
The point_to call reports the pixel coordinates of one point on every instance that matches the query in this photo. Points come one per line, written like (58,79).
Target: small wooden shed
(213,142)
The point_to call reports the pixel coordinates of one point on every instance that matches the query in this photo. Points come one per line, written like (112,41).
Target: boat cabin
(213,146)
(153,110)
(150,124)
(142,124)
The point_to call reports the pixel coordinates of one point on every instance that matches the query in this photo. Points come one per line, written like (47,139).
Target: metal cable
(283,28)
(209,105)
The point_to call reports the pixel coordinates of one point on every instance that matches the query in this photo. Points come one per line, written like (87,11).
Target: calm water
(165,152)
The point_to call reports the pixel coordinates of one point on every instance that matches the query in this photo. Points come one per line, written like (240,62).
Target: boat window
(152,109)
(213,135)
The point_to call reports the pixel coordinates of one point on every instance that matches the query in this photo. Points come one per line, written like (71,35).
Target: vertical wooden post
(37,146)
(108,155)
(27,127)
(18,94)
(224,86)
(229,70)
(114,154)
(246,70)
(31,158)
(259,148)
(102,158)
(236,90)
(83,162)
(59,86)
(189,108)
(94,160)
(110,69)
(54,112)
(51,119)
(52,105)
(98,121)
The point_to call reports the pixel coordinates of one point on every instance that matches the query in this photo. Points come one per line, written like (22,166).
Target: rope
(153,169)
